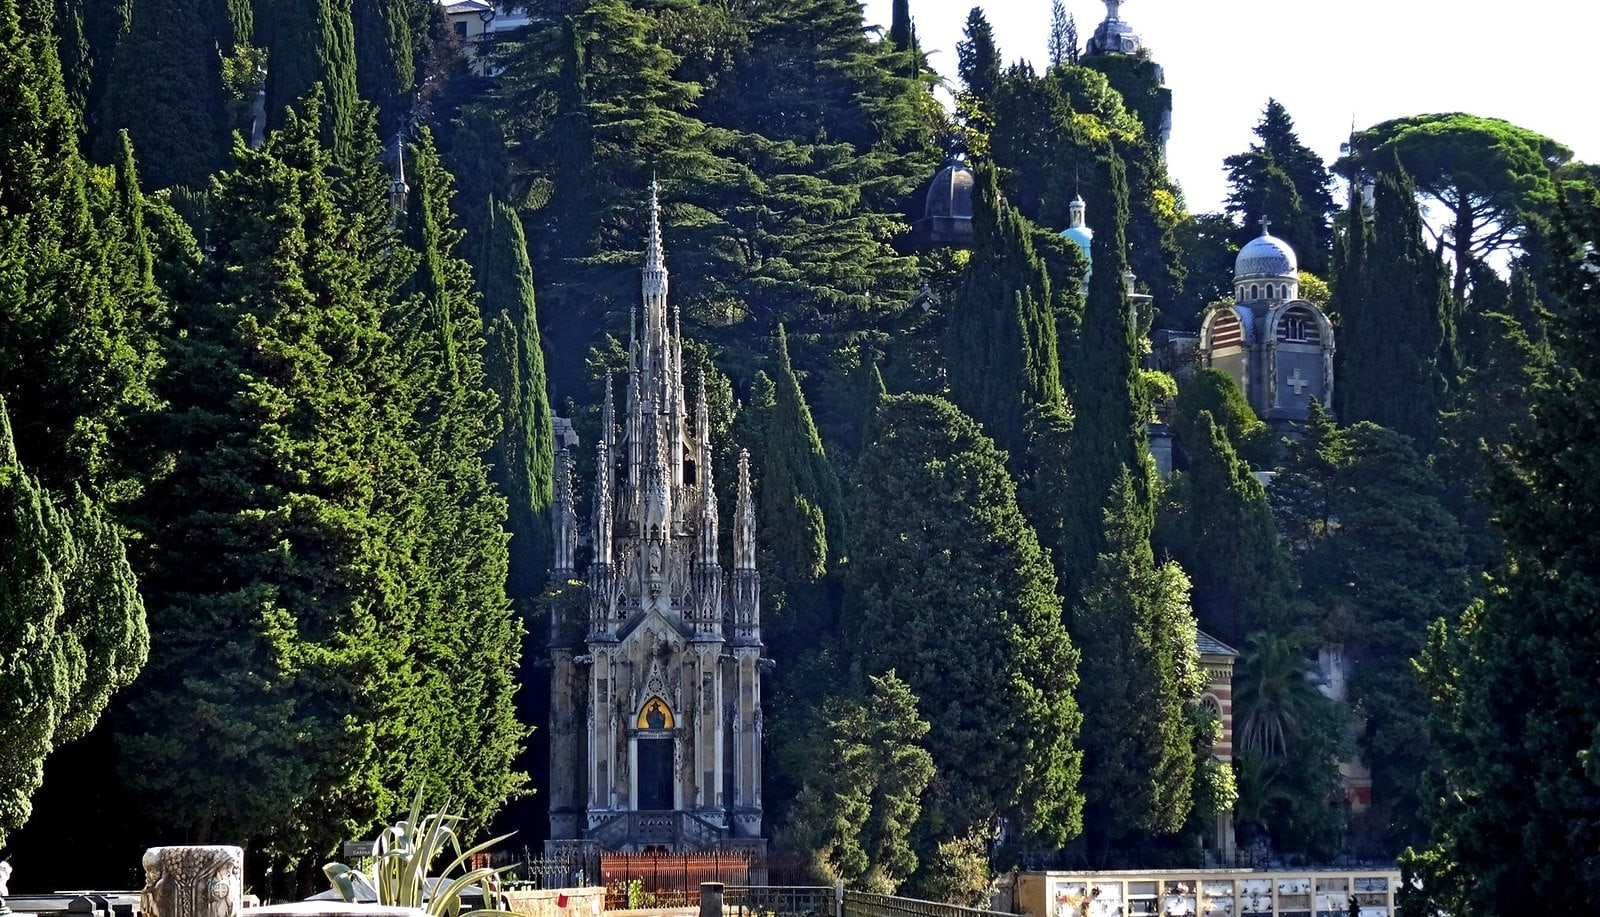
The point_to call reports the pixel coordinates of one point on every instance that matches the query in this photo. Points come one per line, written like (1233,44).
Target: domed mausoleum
(1277,346)
(946,220)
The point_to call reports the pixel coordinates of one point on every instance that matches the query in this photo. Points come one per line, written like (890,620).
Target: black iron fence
(780,901)
(862,904)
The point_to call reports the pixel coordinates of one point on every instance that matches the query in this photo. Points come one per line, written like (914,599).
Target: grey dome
(1265,256)
(951,192)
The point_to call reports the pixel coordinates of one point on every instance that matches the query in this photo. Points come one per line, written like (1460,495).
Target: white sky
(1533,62)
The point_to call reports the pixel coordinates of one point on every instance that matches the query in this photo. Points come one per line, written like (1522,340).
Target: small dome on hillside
(1266,256)
(1079,234)
(951,192)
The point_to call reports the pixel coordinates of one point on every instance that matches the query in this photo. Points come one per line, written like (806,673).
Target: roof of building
(1211,646)
(1265,256)
(950,195)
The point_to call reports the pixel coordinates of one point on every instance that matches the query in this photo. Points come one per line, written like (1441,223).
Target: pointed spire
(602,501)
(744,519)
(702,416)
(563,518)
(608,416)
(655,259)
(398,189)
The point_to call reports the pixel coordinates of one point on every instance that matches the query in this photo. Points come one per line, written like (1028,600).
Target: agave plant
(401,860)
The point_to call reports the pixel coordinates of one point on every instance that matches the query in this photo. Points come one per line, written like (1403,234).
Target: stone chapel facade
(1277,346)
(655,732)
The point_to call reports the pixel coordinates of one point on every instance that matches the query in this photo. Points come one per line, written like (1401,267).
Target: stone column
(192,882)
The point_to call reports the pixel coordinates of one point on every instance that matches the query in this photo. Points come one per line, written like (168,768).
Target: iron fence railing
(863,904)
(780,901)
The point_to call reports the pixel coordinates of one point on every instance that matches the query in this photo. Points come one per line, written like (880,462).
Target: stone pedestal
(192,882)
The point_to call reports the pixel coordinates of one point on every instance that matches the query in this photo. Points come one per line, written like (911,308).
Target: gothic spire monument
(656,658)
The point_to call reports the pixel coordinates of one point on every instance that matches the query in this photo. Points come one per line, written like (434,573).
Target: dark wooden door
(655,775)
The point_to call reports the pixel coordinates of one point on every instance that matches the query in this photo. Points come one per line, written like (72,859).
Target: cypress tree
(1001,330)
(1512,680)
(78,359)
(979,57)
(310,42)
(1140,672)
(900,28)
(461,581)
(385,48)
(72,627)
(1282,179)
(165,88)
(523,457)
(1394,304)
(950,588)
(1108,427)
(280,559)
(800,501)
(1217,523)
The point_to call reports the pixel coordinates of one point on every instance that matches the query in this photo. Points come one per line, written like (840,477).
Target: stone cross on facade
(1298,382)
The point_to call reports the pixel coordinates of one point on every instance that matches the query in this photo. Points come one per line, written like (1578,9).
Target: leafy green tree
(978,56)
(1397,346)
(328,470)
(387,35)
(863,793)
(1512,679)
(79,352)
(71,623)
(1288,740)
(1491,175)
(1063,36)
(1282,179)
(1139,674)
(949,587)
(1380,556)
(1216,522)
(1216,392)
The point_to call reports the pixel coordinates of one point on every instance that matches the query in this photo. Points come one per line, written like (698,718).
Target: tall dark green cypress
(801,505)
(165,88)
(1512,680)
(72,626)
(950,587)
(280,563)
(1397,331)
(1217,523)
(1108,432)
(1002,342)
(1140,673)
(524,454)
(386,42)
(461,578)
(310,42)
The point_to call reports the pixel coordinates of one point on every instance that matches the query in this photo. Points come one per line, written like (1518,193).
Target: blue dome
(1079,233)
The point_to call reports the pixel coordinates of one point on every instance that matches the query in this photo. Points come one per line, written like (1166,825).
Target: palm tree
(1272,695)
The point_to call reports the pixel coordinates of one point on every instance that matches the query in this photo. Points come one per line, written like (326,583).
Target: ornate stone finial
(1075,212)
(1266,225)
(608,415)
(655,259)
(602,502)
(563,518)
(193,882)
(1113,36)
(744,520)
